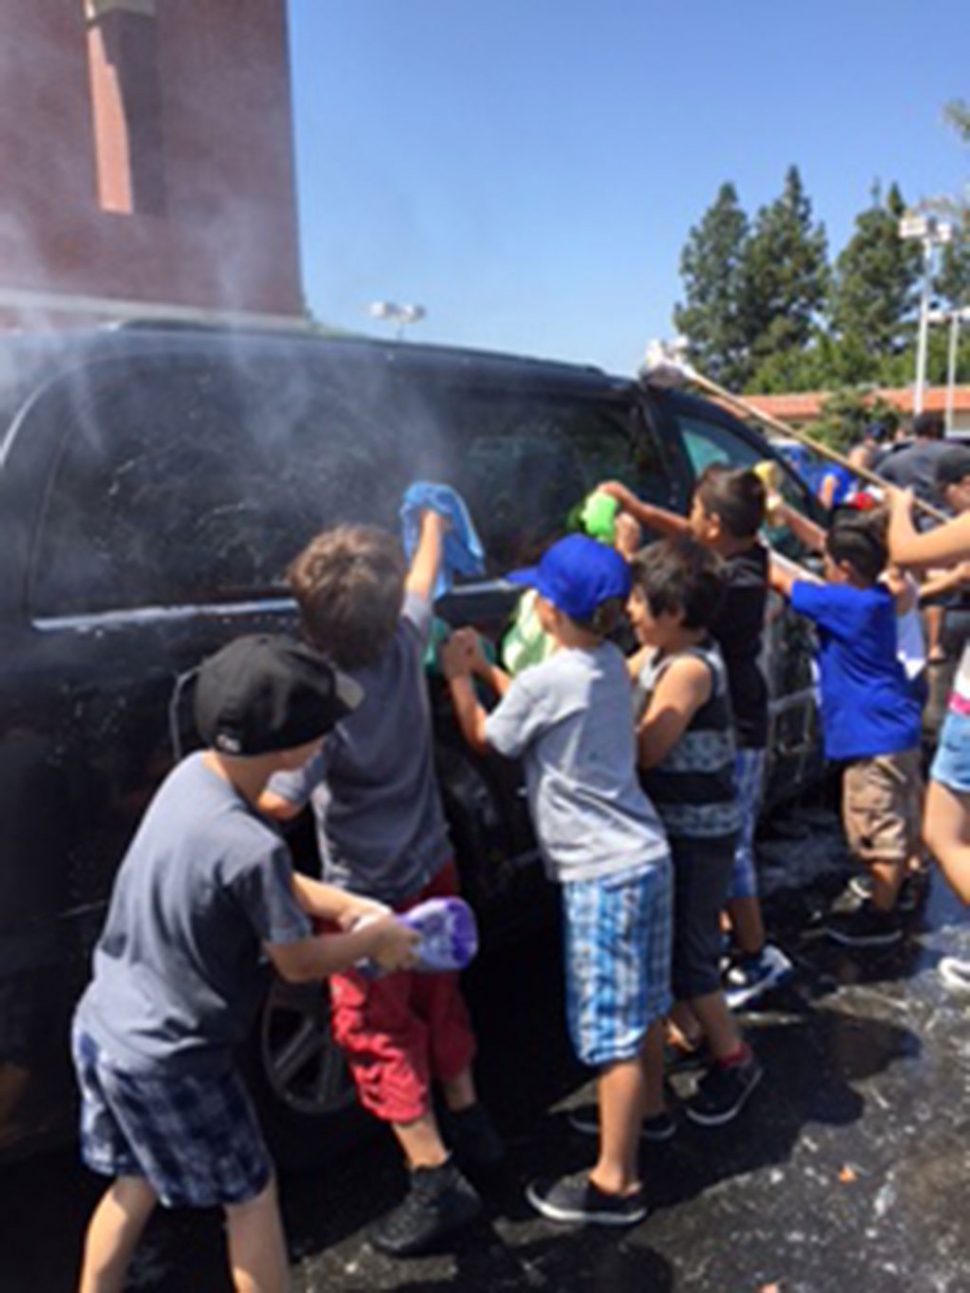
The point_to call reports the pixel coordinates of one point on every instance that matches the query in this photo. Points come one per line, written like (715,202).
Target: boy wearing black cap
(571,720)
(205,889)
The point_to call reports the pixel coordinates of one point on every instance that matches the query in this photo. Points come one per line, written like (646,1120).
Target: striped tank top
(694,788)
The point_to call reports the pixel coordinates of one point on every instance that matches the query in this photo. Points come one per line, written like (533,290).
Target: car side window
(525,465)
(707,442)
(193,480)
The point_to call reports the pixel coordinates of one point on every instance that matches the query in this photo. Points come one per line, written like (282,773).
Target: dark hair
(734,494)
(680,575)
(859,539)
(952,466)
(928,426)
(349,584)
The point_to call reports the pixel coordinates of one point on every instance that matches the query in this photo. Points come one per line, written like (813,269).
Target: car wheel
(300,1079)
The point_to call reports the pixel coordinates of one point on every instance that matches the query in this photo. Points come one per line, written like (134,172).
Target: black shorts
(702,879)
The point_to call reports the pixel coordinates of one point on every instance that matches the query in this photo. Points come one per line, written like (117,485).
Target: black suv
(154,485)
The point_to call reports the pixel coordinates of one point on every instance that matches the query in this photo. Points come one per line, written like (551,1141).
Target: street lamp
(955,318)
(397,314)
(925,227)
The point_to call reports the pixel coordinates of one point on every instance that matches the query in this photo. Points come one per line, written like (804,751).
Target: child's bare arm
(456,662)
(683,688)
(783,574)
(945,581)
(326,902)
(943,546)
(804,530)
(491,674)
(657,519)
(426,562)
(386,940)
(270,804)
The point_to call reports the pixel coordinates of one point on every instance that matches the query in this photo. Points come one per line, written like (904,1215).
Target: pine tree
(784,275)
(710,265)
(876,281)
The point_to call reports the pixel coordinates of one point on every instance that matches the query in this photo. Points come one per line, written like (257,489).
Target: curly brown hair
(349,585)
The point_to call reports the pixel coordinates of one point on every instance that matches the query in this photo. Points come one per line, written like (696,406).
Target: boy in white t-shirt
(570,718)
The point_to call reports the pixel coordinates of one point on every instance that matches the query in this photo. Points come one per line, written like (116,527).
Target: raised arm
(657,519)
(783,574)
(943,546)
(426,562)
(804,530)
(456,662)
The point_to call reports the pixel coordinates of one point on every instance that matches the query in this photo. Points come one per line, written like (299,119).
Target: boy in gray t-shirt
(206,888)
(571,720)
(382,834)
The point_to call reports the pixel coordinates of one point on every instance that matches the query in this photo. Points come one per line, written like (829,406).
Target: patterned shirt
(693,788)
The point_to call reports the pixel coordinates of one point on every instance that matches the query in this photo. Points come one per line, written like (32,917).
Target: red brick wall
(220,231)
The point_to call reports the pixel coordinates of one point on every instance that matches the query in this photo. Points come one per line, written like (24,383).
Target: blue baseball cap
(577,575)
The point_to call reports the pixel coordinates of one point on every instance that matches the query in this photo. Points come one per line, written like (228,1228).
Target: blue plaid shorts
(194,1139)
(750,776)
(618,934)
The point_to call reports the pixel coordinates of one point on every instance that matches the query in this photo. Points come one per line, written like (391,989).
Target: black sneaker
(577,1199)
(438,1202)
(472,1137)
(586,1118)
(912,894)
(723,1092)
(866,927)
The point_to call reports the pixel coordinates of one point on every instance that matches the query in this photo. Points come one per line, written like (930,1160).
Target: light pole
(927,228)
(397,314)
(955,318)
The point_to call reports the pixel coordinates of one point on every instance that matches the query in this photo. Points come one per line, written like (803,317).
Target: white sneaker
(955,976)
(747,980)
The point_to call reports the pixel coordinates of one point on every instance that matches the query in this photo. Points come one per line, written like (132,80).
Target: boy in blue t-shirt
(871,720)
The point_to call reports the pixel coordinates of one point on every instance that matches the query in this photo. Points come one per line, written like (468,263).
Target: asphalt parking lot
(847,1171)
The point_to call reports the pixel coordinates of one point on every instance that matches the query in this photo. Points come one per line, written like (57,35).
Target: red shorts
(401,1032)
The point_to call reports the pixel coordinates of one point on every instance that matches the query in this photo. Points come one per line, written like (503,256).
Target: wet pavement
(847,1171)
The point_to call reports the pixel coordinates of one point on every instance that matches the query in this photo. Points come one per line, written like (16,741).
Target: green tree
(710,266)
(784,275)
(876,281)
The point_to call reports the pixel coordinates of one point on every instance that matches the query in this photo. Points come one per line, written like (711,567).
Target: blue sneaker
(750,977)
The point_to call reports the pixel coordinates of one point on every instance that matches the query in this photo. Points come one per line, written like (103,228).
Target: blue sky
(529,170)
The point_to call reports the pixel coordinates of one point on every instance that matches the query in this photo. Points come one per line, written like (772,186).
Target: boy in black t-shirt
(727,511)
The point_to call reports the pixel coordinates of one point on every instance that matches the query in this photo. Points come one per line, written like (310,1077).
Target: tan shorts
(882,806)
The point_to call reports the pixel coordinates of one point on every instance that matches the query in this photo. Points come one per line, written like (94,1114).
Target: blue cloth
(618,939)
(951,763)
(194,1139)
(867,705)
(463,552)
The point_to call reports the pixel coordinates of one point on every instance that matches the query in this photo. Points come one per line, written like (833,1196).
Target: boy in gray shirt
(382,834)
(571,720)
(205,888)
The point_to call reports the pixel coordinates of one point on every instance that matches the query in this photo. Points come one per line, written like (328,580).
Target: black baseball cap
(269,692)
(952,466)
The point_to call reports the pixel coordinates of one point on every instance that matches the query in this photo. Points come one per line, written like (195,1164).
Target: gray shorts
(702,878)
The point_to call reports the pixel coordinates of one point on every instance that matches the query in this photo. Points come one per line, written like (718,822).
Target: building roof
(805,406)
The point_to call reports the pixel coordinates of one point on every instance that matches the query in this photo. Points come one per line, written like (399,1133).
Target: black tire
(299,1079)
